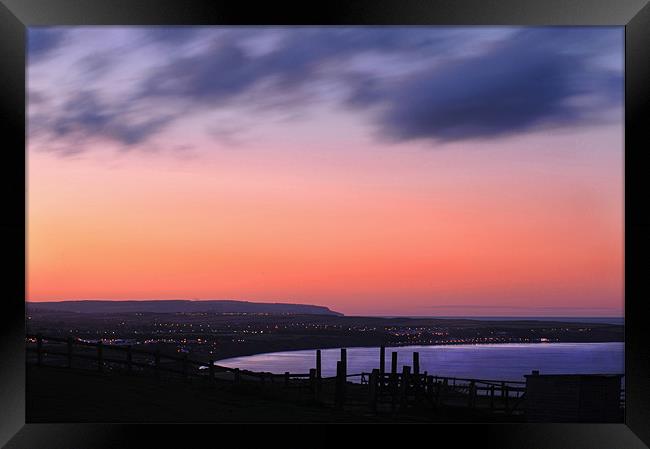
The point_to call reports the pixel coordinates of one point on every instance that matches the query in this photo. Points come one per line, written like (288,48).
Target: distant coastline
(562,319)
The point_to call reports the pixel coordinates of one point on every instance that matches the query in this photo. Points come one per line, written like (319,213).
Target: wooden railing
(63,351)
(380,390)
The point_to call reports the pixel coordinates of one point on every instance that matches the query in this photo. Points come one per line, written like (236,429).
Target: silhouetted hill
(179,306)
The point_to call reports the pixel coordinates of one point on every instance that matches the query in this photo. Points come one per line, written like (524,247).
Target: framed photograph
(362,213)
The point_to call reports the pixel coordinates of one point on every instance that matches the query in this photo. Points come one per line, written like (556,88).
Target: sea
(508,361)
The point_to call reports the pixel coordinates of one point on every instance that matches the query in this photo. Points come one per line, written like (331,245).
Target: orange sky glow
(316,210)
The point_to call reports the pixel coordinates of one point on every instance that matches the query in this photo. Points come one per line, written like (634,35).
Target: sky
(373,170)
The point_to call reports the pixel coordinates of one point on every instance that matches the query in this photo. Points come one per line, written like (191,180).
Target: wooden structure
(573,398)
(541,398)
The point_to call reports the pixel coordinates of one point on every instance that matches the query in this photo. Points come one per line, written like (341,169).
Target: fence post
(372,389)
(393,379)
(416,372)
(312,383)
(319,373)
(286,378)
(406,370)
(69,352)
(129,359)
(492,397)
(100,355)
(444,389)
(338,390)
(211,369)
(507,397)
(429,388)
(471,396)
(344,369)
(382,365)
(437,385)
(39,349)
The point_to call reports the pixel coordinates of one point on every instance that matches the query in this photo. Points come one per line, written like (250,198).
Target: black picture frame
(16,15)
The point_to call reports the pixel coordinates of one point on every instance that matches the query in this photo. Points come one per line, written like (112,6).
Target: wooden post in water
(69,352)
(319,374)
(344,369)
(416,372)
(416,363)
(100,355)
(507,397)
(393,379)
(492,397)
(39,349)
(287,378)
(211,370)
(129,359)
(237,376)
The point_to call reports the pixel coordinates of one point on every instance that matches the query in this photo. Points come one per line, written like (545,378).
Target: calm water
(498,361)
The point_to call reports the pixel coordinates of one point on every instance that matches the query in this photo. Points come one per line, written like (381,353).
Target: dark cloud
(226,70)
(85,116)
(525,82)
(512,86)
(172,35)
(459,84)
(97,65)
(41,41)
(222,73)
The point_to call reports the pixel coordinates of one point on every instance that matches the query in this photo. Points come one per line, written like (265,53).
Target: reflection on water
(498,361)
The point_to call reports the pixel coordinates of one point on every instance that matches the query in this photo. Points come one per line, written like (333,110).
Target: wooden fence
(380,390)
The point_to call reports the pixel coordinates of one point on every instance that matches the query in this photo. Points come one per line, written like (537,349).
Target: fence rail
(381,390)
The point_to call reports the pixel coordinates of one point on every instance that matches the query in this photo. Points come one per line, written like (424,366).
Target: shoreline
(251,354)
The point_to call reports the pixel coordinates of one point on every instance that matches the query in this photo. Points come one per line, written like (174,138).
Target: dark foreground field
(64,395)
(71,395)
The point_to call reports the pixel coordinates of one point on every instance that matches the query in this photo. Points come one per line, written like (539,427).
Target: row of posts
(376,381)
(100,357)
(421,384)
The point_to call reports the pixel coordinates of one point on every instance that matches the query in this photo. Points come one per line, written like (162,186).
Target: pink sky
(313,207)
